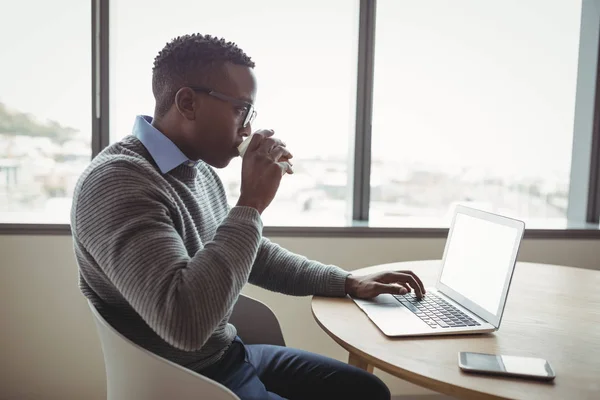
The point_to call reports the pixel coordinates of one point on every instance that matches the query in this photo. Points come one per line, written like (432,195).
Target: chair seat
(134,373)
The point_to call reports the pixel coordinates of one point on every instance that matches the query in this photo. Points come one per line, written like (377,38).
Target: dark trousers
(265,372)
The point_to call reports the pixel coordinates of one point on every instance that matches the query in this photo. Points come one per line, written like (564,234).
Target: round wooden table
(552,312)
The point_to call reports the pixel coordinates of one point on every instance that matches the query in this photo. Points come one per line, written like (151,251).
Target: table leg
(355,360)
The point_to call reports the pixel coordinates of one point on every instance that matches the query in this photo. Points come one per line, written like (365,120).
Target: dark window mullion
(593,204)
(364,110)
(100,121)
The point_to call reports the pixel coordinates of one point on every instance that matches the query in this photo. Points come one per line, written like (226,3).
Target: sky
(46,59)
(461,82)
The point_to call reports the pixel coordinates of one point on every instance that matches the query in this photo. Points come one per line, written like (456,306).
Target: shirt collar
(165,153)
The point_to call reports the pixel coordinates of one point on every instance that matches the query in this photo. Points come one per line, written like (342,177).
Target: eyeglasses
(249,111)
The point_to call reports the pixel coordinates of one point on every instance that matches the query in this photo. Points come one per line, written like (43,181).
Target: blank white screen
(478,260)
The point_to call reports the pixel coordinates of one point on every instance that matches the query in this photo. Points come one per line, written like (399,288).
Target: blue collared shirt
(164,152)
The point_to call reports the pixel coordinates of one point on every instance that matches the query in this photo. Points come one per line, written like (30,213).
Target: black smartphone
(522,367)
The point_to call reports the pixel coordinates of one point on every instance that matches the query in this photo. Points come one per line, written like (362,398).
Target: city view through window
(469,107)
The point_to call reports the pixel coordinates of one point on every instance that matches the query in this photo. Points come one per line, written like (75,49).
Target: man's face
(217,128)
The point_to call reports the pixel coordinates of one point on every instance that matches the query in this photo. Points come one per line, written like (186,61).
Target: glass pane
(305,54)
(45,107)
(473,103)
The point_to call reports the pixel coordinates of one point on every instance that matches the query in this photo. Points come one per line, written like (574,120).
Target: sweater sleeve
(124,222)
(280,270)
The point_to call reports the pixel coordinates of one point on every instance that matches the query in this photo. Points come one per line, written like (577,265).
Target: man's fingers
(270,146)
(273,146)
(405,286)
(282,159)
(401,277)
(258,138)
(271,143)
(278,153)
(382,288)
(416,279)
(265,132)
(286,154)
(285,167)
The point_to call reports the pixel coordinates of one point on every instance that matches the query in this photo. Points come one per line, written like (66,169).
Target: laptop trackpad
(391,316)
(382,299)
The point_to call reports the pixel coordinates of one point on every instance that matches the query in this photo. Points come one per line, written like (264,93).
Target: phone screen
(506,365)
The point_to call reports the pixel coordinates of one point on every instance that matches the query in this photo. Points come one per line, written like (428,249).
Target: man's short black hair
(181,61)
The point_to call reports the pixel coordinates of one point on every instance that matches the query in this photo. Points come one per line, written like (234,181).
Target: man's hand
(263,164)
(369,286)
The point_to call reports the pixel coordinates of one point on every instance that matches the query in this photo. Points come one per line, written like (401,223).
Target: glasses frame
(250,113)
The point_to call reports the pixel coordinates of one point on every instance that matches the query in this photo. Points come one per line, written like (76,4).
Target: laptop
(471,289)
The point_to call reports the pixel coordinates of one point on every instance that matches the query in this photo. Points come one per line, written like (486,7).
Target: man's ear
(185,102)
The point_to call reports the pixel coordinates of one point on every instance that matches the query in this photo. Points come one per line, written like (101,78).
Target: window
(473,103)
(395,110)
(305,54)
(45,107)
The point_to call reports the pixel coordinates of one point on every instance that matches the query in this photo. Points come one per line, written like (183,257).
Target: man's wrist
(249,203)
(350,286)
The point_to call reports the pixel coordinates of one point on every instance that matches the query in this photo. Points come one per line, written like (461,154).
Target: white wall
(48,344)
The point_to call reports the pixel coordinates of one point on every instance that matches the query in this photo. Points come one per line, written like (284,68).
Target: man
(163,257)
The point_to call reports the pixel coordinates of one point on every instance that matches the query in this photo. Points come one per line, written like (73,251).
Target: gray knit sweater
(164,258)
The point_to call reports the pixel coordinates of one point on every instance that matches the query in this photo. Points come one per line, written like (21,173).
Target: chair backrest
(255,322)
(133,373)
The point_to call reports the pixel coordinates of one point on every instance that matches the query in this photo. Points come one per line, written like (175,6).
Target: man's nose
(246,131)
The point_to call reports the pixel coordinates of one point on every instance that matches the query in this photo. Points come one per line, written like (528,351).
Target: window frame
(593,205)
(584,191)
(100,76)
(584,185)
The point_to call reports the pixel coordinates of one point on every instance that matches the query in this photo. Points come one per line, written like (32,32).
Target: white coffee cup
(244,146)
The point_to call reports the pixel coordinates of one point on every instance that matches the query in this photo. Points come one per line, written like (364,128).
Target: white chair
(133,373)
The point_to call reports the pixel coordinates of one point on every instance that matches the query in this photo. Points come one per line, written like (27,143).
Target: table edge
(449,389)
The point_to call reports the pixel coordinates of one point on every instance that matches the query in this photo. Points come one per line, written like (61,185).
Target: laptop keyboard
(435,311)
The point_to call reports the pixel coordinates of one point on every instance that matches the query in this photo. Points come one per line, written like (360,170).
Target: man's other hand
(393,282)
(265,161)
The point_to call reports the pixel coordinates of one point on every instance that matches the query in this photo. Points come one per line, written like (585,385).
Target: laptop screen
(479,257)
